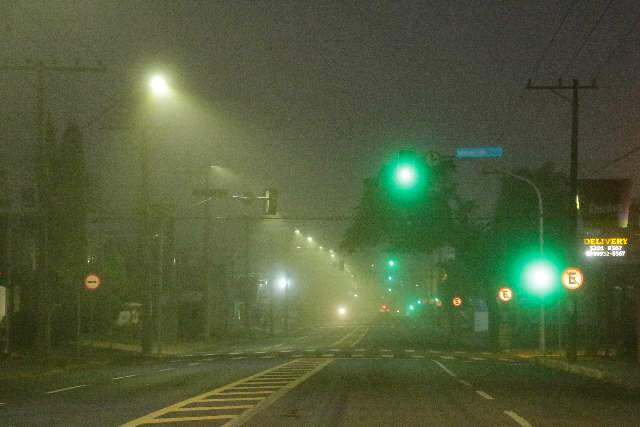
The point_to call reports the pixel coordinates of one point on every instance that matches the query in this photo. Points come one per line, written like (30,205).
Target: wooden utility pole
(42,71)
(575,87)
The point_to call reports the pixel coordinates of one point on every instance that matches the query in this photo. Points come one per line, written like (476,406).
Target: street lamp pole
(542,335)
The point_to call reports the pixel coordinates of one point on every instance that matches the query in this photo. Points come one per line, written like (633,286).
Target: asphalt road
(386,373)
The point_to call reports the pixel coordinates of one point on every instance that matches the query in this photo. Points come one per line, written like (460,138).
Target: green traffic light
(405,176)
(391,263)
(411,307)
(540,277)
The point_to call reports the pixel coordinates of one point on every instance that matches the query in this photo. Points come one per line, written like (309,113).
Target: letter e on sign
(505,294)
(457,301)
(572,278)
(92,282)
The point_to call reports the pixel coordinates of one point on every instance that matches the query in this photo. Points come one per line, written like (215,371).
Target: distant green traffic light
(391,263)
(411,307)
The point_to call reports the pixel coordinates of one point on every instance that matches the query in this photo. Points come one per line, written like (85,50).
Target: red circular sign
(92,282)
(572,278)
(457,301)
(505,294)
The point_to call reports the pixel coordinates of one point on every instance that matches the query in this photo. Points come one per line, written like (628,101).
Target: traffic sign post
(573,279)
(92,282)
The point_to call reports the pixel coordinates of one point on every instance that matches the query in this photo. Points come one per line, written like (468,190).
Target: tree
(400,217)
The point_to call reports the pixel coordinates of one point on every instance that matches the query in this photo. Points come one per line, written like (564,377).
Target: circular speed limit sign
(572,278)
(505,294)
(92,282)
(457,301)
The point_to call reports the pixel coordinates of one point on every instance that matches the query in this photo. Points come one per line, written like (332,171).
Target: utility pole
(208,194)
(42,71)
(575,87)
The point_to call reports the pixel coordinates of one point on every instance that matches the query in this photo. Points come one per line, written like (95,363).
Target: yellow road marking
(188,419)
(246,416)
(258,396)
(337,343)
(213,408)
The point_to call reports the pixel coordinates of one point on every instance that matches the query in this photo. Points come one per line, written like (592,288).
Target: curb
(584,371)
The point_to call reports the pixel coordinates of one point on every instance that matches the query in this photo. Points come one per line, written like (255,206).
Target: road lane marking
(257,392)
(517,418)
(408,350)
(485,395)
(388,356)
(123,377)
(246,416)
(448,357)
(347,336)
(327,355)
(214,408)
(357,355)
(167,369)
(417,356)
(238,358)
(444,368)
(478,358)
(3,403)
(60,390)
(463,382)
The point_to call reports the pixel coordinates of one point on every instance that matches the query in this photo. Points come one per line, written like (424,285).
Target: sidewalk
(609,370)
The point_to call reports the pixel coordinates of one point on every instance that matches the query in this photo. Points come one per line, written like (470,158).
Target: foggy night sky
(311,96)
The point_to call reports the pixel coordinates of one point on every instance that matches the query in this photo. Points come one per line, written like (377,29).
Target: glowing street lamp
(159,86)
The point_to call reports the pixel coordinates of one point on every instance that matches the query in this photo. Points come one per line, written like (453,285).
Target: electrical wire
(577,53)
(620,43)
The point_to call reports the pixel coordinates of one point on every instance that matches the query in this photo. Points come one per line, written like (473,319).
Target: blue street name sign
(478,152)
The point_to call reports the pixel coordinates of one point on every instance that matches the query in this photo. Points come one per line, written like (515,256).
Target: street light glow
(342,311)
(159,86)
(309,239)
(283,282)
(297,231)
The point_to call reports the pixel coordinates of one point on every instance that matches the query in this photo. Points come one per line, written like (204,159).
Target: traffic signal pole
(575,87)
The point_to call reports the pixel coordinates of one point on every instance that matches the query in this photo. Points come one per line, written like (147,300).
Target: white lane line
(238,358)
(486,353)
(385,350)
(301,338)
(447,357)
(387,355)
(444,368)
(235,353)
(463,382)
(3,403)
(517,418)
(478,358)
(60,390)
(485,395)
(207,360)
(123,377)
(309,350)
(409,351)
(417,356)
(167,369)
(194,364)
(506,360)
(357,355)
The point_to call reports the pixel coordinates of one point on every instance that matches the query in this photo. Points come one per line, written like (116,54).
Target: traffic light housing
(270,201)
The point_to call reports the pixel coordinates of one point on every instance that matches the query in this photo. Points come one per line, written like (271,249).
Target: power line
(586,39)
(536,68)
(621,42)
(553,38)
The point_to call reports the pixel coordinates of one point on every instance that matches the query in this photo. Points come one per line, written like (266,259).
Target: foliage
(420,223)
